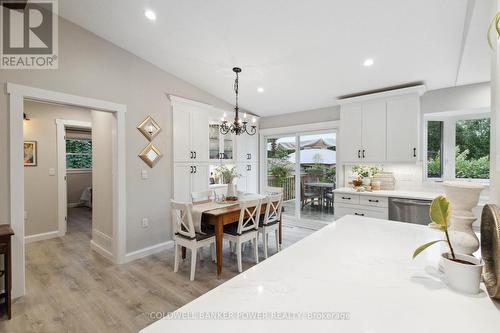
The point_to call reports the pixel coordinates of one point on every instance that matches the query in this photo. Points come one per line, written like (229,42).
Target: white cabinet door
(350,132)
(253,147)
(402,129)
(241,181)
(182,134)
(241,147)
(199,178)
(182,182)
(373,131)
(199,134)
(252,178)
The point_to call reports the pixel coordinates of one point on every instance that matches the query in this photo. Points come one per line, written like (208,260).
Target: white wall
(469,97)
(77,182)
(92,67)
(495,116)
(39,187)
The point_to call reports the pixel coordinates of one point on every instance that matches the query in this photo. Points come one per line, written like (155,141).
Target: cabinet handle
(414,152)
(371,200)
(359,214)
(194,169)
(359,153)
(363,153)
(195,155)
(191,154)
(191,168)
(346,198)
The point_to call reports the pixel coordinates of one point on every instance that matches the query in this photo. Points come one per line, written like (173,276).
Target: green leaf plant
(494,25)
(439,212)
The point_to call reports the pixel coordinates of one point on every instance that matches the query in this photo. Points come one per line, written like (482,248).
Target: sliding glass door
(304,166)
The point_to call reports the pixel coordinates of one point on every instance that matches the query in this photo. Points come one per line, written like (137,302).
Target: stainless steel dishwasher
(409,210)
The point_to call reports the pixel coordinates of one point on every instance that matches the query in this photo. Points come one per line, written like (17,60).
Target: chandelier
(238,126)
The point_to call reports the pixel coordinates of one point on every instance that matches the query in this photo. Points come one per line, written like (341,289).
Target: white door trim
(17,95)
(62,191)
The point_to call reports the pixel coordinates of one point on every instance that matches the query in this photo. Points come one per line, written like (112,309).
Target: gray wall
(39,187)
(468,97)
(92,67)
(77,182)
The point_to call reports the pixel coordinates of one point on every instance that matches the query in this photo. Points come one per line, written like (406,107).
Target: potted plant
(462,271)
(365,172)
(226,175)
(494,25)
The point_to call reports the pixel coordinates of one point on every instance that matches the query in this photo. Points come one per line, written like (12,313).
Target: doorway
(304,165)
(17,95)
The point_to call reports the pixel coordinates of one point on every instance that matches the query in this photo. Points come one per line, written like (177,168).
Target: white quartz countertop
(392,193)
(357,265)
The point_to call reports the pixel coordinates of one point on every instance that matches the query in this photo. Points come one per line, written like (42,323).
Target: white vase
(231,190)
(462,277)
(367,181)
(463,198)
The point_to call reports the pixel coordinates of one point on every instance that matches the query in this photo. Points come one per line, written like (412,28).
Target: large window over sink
(458,147)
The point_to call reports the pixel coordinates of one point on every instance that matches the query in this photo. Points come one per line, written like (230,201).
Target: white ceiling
(304,53)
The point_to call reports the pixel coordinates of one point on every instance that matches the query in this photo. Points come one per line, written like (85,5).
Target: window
(434,149)
(78,154)
(472,142)
(458,147)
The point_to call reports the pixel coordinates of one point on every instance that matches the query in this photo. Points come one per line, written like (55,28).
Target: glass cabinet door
(214,144)
(228,146)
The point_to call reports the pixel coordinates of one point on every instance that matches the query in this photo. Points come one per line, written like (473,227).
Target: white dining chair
(185,235)
(271,219)
(273,190)
(246,229)
(202,196)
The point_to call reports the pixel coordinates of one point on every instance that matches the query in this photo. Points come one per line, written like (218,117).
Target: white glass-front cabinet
(221,146)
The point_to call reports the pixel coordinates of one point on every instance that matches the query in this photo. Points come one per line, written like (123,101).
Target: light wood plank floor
(70,288)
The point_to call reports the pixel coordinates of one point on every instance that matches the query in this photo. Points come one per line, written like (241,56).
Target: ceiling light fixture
(238,126)
(150,14)
(368,62)
(260,90)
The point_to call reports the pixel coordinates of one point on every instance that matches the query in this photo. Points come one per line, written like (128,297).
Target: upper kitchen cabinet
(381,127)
(190,130)
(363,132)
(403,126)
(247,147)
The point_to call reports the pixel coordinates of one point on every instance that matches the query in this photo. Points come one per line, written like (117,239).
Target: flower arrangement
(226,175)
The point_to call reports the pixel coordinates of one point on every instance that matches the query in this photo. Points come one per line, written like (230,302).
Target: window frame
(77,170)
(448,145)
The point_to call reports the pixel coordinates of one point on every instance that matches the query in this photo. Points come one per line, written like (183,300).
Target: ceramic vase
(461,276)
(463,198)
(367,181)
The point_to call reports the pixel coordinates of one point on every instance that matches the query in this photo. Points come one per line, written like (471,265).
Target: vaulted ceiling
(304,54)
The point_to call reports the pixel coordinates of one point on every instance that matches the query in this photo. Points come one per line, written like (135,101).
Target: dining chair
(186,236)
(202,196)
(273,190)
(246,229)
(271,219)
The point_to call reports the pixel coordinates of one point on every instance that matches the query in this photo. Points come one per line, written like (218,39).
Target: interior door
(373,131)
(351,122)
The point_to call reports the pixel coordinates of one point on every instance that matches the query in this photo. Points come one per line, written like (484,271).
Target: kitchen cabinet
(360,205)
(247,147)
(248,180)
(189,178)
(381,127)
(363,132)
(221,147)
(190,131)
(403,119)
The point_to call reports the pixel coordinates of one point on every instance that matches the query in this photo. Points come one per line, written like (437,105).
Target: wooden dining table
(220,217)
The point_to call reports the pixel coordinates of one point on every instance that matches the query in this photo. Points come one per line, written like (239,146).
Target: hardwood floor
(70,288)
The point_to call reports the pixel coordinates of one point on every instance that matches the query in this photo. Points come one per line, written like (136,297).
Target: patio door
(304,166)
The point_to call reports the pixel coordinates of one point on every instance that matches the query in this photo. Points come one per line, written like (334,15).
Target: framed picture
(30,153)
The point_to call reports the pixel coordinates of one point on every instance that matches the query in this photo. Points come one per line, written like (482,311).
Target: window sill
(70,171)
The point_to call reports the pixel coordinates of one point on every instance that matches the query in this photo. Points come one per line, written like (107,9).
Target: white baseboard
(102,251)
(102,244)
(148,251)
(42,236)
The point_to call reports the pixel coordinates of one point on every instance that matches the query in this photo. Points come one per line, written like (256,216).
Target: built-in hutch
(199,147)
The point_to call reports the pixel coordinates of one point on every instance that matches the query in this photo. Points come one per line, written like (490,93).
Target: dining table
(220,217)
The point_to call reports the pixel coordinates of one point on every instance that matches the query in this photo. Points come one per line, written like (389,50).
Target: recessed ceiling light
(150,14)
(368,62)
(260,89)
